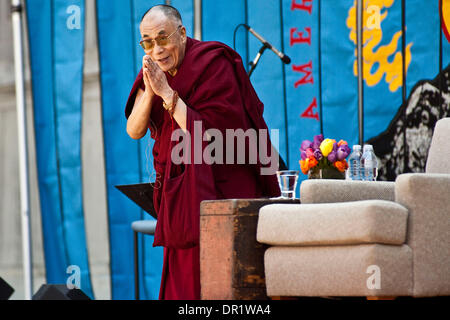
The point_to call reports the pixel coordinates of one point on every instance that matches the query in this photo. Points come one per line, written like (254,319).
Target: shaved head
(162,28)
(168,11)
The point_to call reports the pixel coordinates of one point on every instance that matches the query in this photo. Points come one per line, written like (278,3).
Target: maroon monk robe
(212,81)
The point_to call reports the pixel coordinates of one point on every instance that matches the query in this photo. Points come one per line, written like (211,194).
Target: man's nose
(158,49)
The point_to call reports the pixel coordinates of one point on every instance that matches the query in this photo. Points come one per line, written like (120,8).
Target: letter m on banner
(307,70)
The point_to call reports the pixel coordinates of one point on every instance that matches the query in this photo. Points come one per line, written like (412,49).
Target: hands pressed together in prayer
(155,84)
(155,80)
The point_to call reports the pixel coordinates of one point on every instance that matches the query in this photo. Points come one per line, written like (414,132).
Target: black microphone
(282,56)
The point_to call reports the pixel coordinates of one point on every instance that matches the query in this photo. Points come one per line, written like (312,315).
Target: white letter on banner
(74,281)
(374,21)
(74,20)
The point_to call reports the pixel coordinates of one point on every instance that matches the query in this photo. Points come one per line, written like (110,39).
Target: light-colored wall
(94,196)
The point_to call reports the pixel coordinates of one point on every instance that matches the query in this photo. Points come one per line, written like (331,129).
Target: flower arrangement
(324,154)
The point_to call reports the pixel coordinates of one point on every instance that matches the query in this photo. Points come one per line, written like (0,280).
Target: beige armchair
(376,239)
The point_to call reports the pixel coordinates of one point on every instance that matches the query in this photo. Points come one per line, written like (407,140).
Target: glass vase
(325,173)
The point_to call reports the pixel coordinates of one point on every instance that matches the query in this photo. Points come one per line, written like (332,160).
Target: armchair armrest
(427,198)
(328,190)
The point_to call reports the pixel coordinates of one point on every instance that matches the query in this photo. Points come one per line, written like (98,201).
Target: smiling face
(170,56)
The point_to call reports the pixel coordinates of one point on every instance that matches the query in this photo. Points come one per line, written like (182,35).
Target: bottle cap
(368,147)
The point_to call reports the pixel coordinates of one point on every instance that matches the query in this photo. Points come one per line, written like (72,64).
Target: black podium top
(141,194)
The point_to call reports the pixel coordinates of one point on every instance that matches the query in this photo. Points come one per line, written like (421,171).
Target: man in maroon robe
(184,81)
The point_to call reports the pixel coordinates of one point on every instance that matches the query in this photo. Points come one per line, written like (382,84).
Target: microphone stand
(254,63)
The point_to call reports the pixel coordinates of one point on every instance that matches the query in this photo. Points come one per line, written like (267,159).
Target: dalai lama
(182,82)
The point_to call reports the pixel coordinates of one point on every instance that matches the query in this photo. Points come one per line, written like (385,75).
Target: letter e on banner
(300,38)
(309,112)
(302,6)
(74,20)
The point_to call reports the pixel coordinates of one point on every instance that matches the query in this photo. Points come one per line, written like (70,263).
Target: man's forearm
(180,114)
(137,124)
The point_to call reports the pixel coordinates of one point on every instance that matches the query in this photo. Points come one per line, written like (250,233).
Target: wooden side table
(231,260)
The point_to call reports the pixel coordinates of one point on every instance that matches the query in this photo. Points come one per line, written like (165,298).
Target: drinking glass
(287,180)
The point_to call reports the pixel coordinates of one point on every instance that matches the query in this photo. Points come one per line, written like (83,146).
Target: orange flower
(341,142)
(341,165)
(304,166)
(307,164)
(312,162)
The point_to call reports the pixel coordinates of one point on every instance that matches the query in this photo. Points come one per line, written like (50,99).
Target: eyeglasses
(149,44)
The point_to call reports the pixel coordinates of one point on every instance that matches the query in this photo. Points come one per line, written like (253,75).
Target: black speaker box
(59,292)
(6,290)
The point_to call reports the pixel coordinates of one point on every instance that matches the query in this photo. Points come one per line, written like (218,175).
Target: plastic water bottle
(369,164)
(354,164)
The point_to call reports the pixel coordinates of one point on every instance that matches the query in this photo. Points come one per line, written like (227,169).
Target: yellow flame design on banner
(446,18)
(373,16)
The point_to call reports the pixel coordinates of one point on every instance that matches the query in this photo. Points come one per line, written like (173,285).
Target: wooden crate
(231,260)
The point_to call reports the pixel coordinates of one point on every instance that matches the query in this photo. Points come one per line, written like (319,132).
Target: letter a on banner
(309,112)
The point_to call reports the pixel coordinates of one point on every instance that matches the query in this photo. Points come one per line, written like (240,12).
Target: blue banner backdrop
(56,38)
(301,39)
(219,20)
(382,73)
(268,77)
(339,84)
(424,40)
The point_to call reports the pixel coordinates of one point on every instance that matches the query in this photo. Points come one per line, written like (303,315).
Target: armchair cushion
(427,198)
(439,152)
(329,190)
(338,270)
(357,222)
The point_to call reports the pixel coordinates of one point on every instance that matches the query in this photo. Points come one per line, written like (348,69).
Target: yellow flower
(326,146)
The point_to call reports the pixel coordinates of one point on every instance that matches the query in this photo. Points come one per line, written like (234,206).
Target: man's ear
(183,33)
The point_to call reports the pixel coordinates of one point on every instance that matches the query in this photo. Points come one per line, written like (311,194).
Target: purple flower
(305,145)
(332,156)
(303,155)
(317,141)
(318,154)
(342,152)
